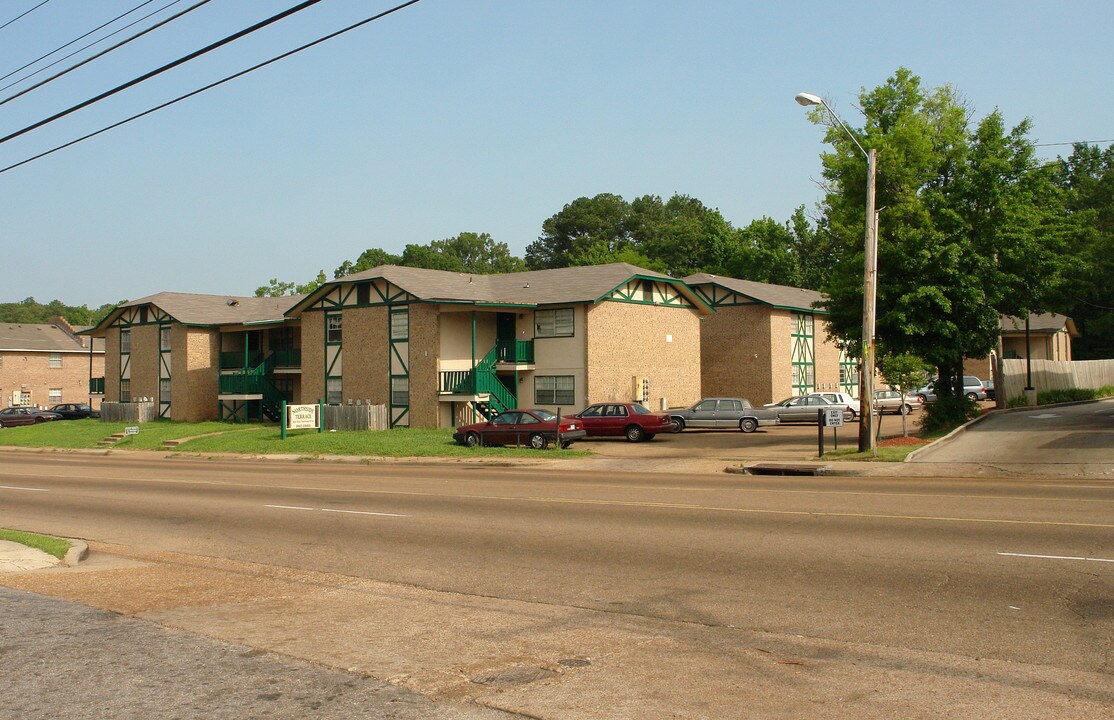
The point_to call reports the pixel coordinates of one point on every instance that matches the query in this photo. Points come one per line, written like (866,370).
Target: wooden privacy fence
(134,412)
(355,417)
(1055,375)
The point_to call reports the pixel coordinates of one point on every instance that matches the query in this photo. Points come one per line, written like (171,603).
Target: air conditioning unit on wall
(641,388)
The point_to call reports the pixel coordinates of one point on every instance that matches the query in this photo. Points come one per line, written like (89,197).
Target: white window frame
(554,392)
(334,329)
(54,396)
(164,338)
(334,391)
(125,342)
(55,360)
(558,322)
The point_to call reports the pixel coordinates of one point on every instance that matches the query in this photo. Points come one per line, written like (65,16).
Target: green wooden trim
(803,352)
(404,363)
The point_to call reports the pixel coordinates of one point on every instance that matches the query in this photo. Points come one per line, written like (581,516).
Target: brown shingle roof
(39,338)
(1042,324)
(780,296)
(535,287)
(194,309)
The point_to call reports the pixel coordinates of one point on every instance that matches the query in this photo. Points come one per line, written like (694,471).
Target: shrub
(947,412)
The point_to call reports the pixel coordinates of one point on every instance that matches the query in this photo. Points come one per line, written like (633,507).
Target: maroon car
(14,416)
(535,428)
(631,420)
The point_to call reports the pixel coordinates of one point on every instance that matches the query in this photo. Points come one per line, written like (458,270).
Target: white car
(841,398)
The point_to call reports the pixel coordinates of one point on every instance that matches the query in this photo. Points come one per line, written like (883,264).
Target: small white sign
(833,417)
(302,417)
(131,430)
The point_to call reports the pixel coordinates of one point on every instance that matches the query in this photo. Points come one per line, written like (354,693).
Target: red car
(535,428)
(15,416)
(623,419)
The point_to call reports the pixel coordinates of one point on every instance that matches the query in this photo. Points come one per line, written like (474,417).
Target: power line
(17,17)
(169,66)
(104,52)
(212,85)
(71,42)
(1077,142)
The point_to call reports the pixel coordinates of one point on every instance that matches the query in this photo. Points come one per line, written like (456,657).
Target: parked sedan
(892,401)
(724,413)
(75,411)
(631,420)
(15,416)
(805,408)
(536,428)
(842,398)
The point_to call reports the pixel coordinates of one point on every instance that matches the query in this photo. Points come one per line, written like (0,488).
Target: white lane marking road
(13,487)
(1056,557)
(334,510)
(1044,416)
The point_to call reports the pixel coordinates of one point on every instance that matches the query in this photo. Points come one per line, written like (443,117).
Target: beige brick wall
(627,340)
(145,361)
(112,365)
(194,372)
(313,358)
(365,353)
(827,358)
(32,369)
(425,342)
(736,353)
(781,357)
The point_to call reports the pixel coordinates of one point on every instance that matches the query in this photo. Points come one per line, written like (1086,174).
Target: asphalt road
(941,572)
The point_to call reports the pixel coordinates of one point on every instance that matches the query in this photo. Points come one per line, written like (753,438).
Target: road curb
(79,550)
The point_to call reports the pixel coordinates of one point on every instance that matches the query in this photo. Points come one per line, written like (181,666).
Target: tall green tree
(1087,178)
(597,226)
(968,228)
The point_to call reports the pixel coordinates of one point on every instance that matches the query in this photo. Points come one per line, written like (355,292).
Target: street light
(870,271)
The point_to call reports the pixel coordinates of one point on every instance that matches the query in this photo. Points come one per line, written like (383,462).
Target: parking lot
(712,450)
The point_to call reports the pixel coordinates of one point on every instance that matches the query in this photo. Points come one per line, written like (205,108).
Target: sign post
(829,417)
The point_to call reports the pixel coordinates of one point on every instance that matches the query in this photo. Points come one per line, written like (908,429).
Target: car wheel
(849,416)
(39,420)
(539,441)
(471,439)
(972,396)
(565,444)
(906,409)
(748,425)
(635,433)
(853,413)
(678,425)
(922,399)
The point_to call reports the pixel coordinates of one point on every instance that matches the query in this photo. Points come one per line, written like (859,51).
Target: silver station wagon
(723,413)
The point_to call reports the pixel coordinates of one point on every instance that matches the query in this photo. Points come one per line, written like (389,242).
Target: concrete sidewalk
(15,557)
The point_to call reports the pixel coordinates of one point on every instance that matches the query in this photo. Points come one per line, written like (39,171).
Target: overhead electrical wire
(17,17)
(210,86)
(158,71)
(71,42)
(102,53)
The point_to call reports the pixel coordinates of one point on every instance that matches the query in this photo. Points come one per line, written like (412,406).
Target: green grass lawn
(885,454)
(260,439)
(50,545)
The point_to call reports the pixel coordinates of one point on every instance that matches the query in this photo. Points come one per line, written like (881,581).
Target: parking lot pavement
(713,450)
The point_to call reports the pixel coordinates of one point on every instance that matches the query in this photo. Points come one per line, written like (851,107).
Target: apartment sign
(303,417)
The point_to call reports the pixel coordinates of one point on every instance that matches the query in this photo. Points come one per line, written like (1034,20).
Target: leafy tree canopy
(970,227)
(30,311)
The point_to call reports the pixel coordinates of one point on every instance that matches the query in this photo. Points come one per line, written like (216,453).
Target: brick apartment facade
(47,364)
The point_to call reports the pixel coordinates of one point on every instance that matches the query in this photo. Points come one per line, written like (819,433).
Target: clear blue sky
(484,116)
